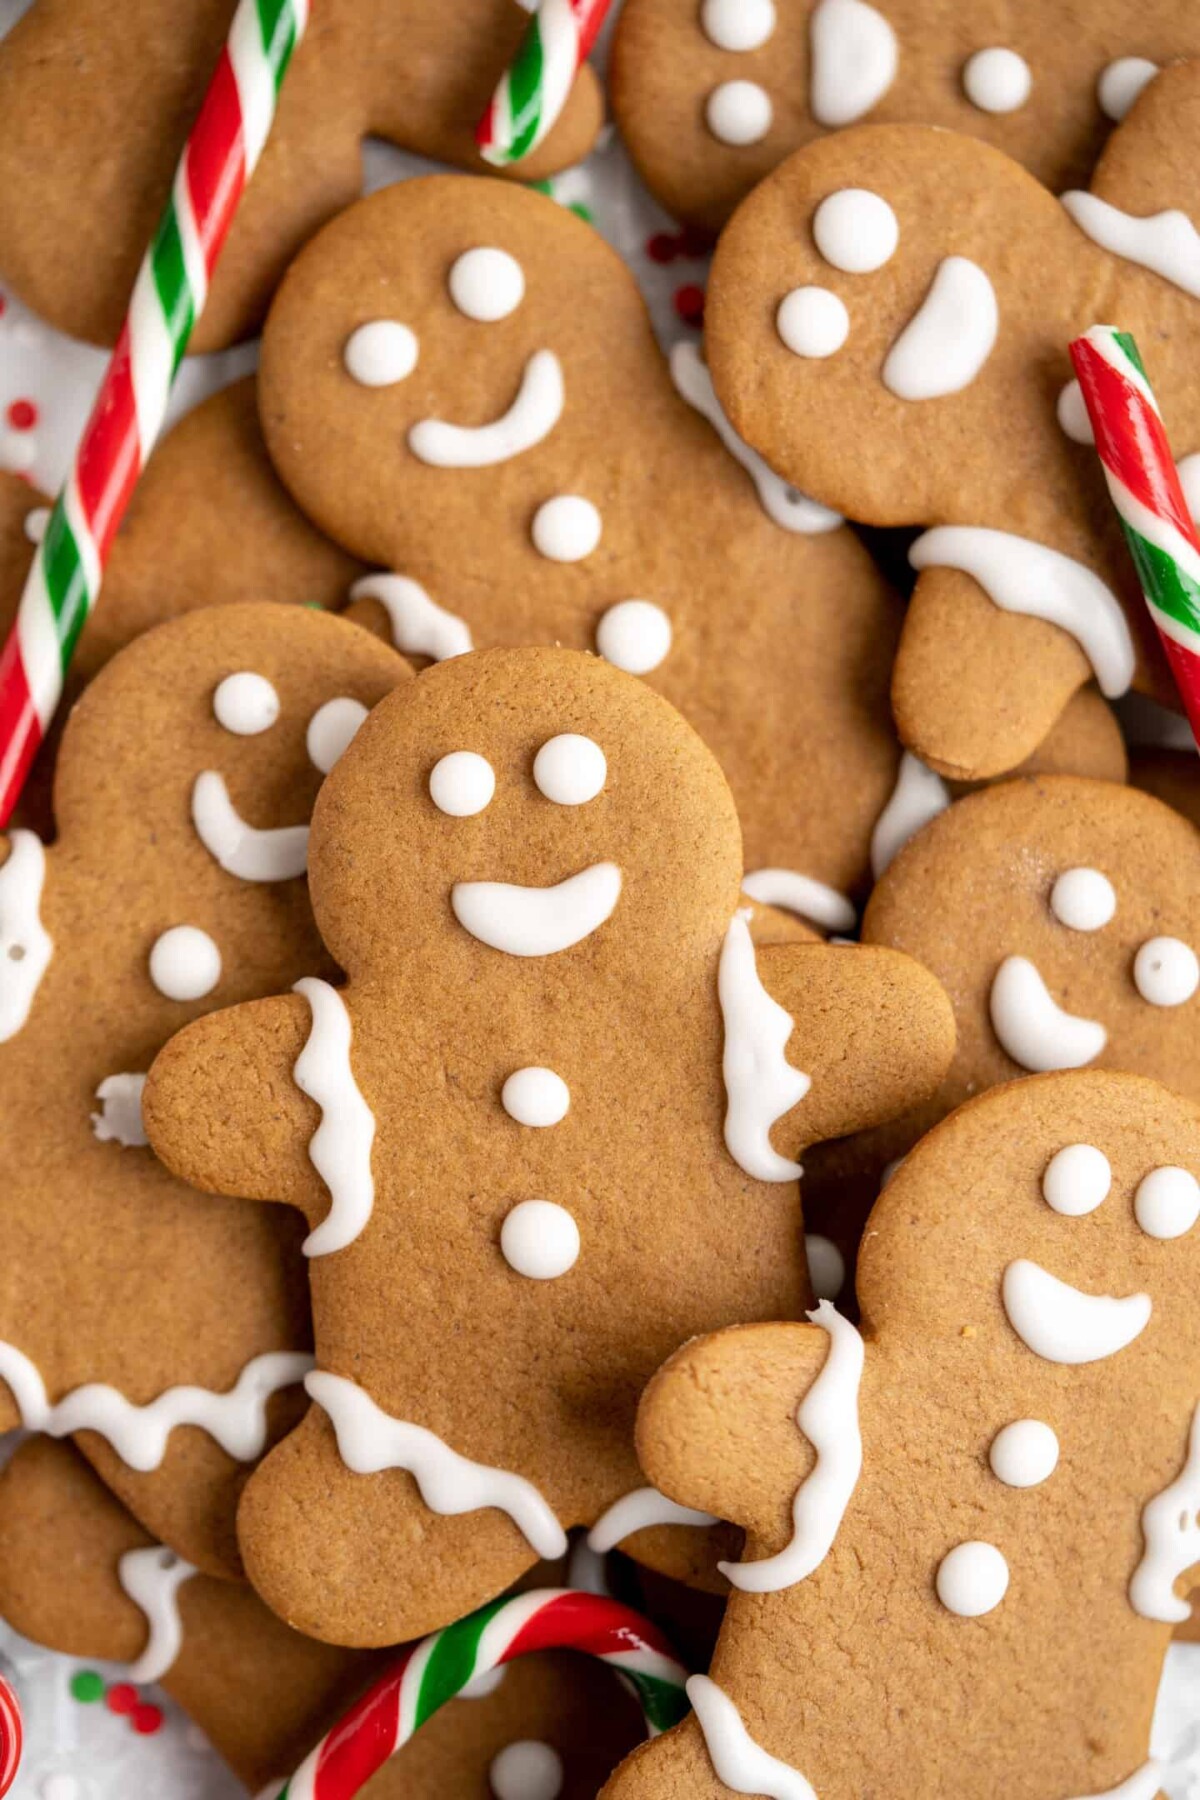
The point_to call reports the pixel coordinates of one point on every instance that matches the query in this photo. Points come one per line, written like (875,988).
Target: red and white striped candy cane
(11,1736)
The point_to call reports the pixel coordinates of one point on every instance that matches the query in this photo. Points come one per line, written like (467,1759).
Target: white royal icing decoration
(918,796)
(25,945)
(536,921)
(1165,971)
(35,523)
(1023,577)
(739,112)
(826,1266)
(1083,899)
(1064,1325)
(528,422)
(526,1770)
(1171,1532)
(997,80)
(637,1511)
(462,783)
(1077,1180)
(536,1097)
(569,769)
(855,230)
(737,1760)
(152,1578)
(486,284)
(1167,1202)
(786,506)
(1072,415)
(801,894)
(331,731)
(185,963)
(1121,83)
(340,1148)
(812,322)
(950,337)
(1143,1784)
(634,635)
(370,1440)
(565,529)
(139,1434)
(381,353)
(420,627)
(853,59)
(119,1120)
(245,703)
(1032,1028)
(828,1417)
(540,1240)
(277,854)
(760,1084)
(972,1579)
(1024,1454)
(1167,243)
(737,25)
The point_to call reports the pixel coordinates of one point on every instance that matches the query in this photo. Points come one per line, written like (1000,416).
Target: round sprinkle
(997,80)
(462,784)
(526,1770)
(1073,415)
(185,963)
(539,1239)
(1121,83)
(1083,899)
(826,1266)
(566,529)
(634,635)
(487,284)
(1165,971)
(535,1096)
(812,321)
(1167,1203)
(381,353)
(87,1687)
(570,770)
(1076,1180)
(245,703)
(972,1579)
(1024,1454)
(331,730)
(856,230)
(737,24)
(739,112)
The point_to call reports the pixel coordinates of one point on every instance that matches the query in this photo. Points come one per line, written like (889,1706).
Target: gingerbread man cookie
(908,295)
(965,1533)
(523,1173)
(77,208)
(157,1324)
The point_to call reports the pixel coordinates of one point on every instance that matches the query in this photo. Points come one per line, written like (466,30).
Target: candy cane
(1144,485)
(11,1736)
(439,1667)
(168,296)
(534,88)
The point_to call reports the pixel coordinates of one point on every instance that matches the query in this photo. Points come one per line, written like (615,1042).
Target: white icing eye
(381,353)
(462,784)
(1077,1180)
(566,529)
(856,230)
(1121,83)
(185,963)
(570,770)
(331,730)
(245,703)
(737,24)
(972,1579)
(1167,1203)
(997,81)
(826,1266)
(1024,1454)
(540,1240)
(1083,899)
(1072,415)
(536,1097)
(1165,971)
(739,113)
(812,322)
(634,635)
(487,284)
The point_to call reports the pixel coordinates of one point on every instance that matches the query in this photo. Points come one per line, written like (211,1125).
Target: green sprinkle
(87,1687)
(582,212)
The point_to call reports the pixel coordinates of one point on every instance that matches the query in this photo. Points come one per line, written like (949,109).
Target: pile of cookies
(552,983)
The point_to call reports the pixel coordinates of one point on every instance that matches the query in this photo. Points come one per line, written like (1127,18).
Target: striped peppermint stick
(11,1735)
(168,296)
(533,89)
(439,1667)
(1144,484)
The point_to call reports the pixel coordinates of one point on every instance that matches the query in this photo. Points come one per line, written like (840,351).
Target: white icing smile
(1032,1028)
(536,921)
(1064,1325)
(529,420)
(242,850)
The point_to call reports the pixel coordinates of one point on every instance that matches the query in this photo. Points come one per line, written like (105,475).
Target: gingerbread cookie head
(1027,1288)
(183,788)
(542,840)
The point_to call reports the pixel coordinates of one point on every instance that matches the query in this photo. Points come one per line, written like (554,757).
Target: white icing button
(1165,971)
(739,113)
(487,284)
(972,1579)
(1024,1454)
(1121,83)
(526,1770)
(737,24)
(566,529)
(381,353)
(1073,415)
(462,784)
(826,1266)
(185,964)
(856,230)
(997,80)
(634,635)
(535,1096)
(1083,899)
(570,770)
(1077,1179)
(331,729)
(245,703)
(812,321)
(539,1239)
(1167,1203)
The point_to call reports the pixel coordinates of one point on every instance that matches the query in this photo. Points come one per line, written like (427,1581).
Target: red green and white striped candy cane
(11,1736)
(439,1667)
(533,89)
(1144,485)
(168,297)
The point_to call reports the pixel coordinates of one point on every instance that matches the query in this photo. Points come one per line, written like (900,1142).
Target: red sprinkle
(3,304)
(689,304)
(121,1698)
(22,415)
(662,247)
(146,1719)
(695,242)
